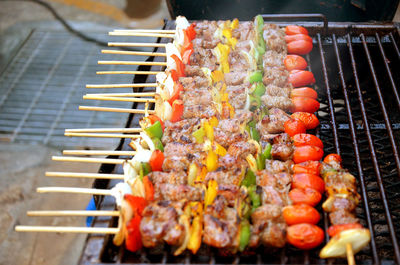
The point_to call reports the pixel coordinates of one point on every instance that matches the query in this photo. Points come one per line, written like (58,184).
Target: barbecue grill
(357,83)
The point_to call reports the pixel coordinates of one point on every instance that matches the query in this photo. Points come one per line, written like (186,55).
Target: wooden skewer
(140,94)
(128,72)
(136,44)
(73,190)
(126,99)
(103,130)
(132,63)
(67,229)
(99,152)
(121,85)
(88,160)
(84,175)
(165,31)
(103,135)
(122,110)
(134,53)
(72,213)
(350,255)
(141,34)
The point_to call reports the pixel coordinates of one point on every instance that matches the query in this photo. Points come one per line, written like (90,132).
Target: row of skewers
(219,161)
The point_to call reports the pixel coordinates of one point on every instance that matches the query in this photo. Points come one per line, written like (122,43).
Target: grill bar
(394,44)
(383,108)
(356,152)
(373,151)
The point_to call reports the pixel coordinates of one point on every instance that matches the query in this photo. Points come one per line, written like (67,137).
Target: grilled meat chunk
(199,111)
(282,152)
(273,58)
(275,91)
(273,122)
(228,131)
(194,83)
(274,38)
(204,58)
(173,192)
(180,131)
(173,177)
(342,217)
(242,149)
(276,166)
(277,76)
(235,78)
(283,103)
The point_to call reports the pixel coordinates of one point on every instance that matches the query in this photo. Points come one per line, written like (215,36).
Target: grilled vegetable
(245,234)
(336,229)
(293,127)
(302,139)
(302,104)
(294,62)
(307,195)
(148,188)
(306,92)
(309,119)
(155,130)
(156,160)
(305,236)
(177,110)
(300,78)
(308,152)
(300,213)
(333,158)
(294,29)
(211,192)
(311,167)
(304,180)
(296,37)
(299,47)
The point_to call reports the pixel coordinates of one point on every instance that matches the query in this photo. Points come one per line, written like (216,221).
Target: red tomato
(300,213)
(294,62)
(308,196)
(307,152)
(336,229)
(156,160)
(294,29)
(303,139)
(177,110)
(290,38)
(148,189)
(304,180)
(186,56)
(305,236)
(307,92)
(300,78)
(175,95)
(153,118)
(293,127)
(309,119)
(333,157)
(133,240)
(311,167)
(305,105)
(299,47)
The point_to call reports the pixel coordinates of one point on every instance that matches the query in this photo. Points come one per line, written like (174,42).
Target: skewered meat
(273,122)
(173,192)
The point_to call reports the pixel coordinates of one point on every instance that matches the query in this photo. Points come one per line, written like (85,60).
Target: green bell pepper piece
(259,89)
(154,130)
(249,179)
(254,196)
(145,169)
(259,23)
(254,134)
(244,235)
(252,123)
(255,77)
(267,151)
(255,102)
(158,144)
(199,135)
(260,162)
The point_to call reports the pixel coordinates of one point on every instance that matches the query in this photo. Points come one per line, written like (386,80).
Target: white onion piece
(181,24)
(148,141)
(167,115)
(171,49)
(247,104)
(119,191)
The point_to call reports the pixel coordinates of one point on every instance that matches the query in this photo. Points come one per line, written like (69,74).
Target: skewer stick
(165,31)
(103,130)
(88,160)
(136,44)
(103,135)
(99,152)
(121,85)
(134,53)
(84,175)
(72,213)
(141,34)
(67,229)
(132,63)
(126,99)
(122,110)
(350,255)
(73,190)
(128,72)
(139,94)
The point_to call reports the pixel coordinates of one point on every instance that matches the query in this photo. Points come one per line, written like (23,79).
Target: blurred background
(48,53)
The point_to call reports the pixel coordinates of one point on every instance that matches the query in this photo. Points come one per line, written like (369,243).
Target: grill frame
(99,249)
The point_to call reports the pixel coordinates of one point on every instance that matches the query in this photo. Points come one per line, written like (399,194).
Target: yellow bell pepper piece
(196,208)
(211,161)
(252,162)
(225,97)
(213,121)
(195,234)
(219,149)
(192,174)
(217,76)
(211,192)
(235,24)
(209,130)
(225,67)
(200,178)
(224,52)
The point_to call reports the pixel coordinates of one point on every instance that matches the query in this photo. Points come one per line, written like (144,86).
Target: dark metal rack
(356,68)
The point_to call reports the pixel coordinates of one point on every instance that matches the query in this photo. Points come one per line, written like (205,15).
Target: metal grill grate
(41,90)
(355,68)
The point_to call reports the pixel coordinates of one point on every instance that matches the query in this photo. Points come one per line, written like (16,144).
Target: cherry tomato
(303,139)
(178,88)
(301,104)
(311,167)
(308,196)
(294,62)
(300,213)
(333,157)
(309,119)
(304,180)
(293,127)
(336,229)
(307,152)
(305,236)
(156,160)
(294,29)
(153,118)
(300,78)
(299,47)
(290,38)
(306,92)
(177,110)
